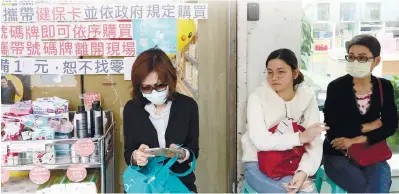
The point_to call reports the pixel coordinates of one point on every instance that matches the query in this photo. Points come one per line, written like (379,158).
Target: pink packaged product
(21,108)
(11,130)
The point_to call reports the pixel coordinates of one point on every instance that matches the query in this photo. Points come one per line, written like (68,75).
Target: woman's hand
(342,143)
(181,150)
(139,157)
(311,132)
(296,182)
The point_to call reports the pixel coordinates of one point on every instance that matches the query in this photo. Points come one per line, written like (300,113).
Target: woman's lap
(261,183)
(375,178)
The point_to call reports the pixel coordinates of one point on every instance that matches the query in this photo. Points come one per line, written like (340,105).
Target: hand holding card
(166,152)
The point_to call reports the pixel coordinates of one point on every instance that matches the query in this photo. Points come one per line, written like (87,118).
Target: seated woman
(158,116)
(283,118)
(355,114)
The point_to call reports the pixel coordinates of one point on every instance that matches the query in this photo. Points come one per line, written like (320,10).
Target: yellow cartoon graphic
(185,32)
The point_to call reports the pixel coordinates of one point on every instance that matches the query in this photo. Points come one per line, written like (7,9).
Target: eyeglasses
(147,89)
(279,74)
(360,59)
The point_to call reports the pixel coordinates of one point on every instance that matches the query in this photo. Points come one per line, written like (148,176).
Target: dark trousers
(375,178)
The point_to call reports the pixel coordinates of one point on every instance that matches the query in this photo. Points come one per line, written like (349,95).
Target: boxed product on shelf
(52,106)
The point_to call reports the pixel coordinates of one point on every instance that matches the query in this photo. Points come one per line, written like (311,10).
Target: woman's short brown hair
(152,60)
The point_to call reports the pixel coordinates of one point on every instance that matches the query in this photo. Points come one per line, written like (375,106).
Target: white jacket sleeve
(259,134)
(311,159)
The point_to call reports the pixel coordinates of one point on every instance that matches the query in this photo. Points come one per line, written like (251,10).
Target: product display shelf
(104,148)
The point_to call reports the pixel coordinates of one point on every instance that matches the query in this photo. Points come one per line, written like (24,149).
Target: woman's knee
(260,182)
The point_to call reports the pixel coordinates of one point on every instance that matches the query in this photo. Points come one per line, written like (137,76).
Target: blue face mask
(156,97)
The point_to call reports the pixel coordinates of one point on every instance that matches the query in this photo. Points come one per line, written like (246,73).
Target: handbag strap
(381,92)
(173,160)
(191,169)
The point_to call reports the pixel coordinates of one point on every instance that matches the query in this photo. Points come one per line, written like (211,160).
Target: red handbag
(278,164)
(363,154)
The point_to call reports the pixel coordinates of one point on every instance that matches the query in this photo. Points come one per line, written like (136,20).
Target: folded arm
(389,117)
(311,159)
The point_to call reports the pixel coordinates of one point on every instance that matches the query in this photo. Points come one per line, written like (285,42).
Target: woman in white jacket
(274,112)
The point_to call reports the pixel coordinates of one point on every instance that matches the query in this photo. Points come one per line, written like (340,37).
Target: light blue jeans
(261,183)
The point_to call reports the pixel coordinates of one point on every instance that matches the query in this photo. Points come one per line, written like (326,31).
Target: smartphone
(167,152)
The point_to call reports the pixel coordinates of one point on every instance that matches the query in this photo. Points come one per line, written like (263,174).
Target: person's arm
(128,132)
(311,159)
(372,126)
(338,122)
(259,133)
(389,117)
(192,142)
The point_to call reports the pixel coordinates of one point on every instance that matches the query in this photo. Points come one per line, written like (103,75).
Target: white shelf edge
(48,166)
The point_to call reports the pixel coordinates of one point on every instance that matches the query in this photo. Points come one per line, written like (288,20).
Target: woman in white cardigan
(281,103)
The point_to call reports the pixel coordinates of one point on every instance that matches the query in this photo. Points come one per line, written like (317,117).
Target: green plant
(394,139)
(395,84)
(307,41)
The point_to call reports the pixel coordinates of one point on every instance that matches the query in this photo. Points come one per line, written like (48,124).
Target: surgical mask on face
(156,97)
(358,70)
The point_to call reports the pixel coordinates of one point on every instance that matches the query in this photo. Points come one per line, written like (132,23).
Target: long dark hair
(288,57)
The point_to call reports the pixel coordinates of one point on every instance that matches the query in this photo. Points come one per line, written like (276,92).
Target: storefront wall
(213,66)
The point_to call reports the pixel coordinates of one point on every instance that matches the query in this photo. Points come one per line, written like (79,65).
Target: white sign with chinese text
(42,66)
(91,12)
(66,31)
(68,48)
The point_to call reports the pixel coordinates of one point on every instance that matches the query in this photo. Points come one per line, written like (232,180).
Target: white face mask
(358,70)
(156,97)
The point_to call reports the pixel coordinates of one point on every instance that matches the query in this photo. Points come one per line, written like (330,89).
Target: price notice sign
(84,147)
(39,175)
(76,173)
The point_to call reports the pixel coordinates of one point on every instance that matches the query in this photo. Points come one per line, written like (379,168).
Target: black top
(342,115)
(182,129)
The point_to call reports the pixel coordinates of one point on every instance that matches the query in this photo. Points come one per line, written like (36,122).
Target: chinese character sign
(91,12)
(155,32)
(69,31)
(64,66)
(67,48)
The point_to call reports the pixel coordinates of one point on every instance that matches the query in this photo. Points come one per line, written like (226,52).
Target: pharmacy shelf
(106,156)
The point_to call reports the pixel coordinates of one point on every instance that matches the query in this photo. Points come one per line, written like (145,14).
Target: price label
(84,147)
(89,98)
(39,175)
(76,173)
(5,175)
(27,147)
